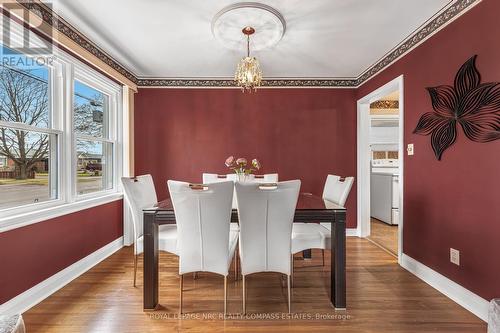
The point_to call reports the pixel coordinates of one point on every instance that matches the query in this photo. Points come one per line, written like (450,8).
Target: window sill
(21,220)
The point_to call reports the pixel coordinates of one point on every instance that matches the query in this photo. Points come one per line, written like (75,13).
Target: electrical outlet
(410,149)
(455,256)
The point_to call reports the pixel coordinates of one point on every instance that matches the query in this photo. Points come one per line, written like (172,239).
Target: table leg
(338,270)
(150,262)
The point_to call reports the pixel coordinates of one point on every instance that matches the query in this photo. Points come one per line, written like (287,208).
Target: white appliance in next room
(384,190)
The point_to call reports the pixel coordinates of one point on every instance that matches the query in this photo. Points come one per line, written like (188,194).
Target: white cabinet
(395,191)
(384,196)
(381,197)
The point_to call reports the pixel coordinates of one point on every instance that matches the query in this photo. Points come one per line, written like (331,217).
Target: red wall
(31,254)
(299,133)
(307,133)
(454,202)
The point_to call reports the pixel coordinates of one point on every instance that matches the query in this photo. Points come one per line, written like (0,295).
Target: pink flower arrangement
(229,161)
(241,161)
(256,163)
(239,166)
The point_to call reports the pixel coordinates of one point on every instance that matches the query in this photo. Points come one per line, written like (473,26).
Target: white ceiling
(173,38)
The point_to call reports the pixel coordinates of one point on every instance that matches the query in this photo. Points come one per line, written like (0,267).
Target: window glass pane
(94,166)
(91,111)
(28,167)
(24,90)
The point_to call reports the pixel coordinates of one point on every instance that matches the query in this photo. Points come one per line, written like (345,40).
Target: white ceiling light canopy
(268,23)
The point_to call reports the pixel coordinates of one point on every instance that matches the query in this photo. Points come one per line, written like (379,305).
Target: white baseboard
(47,287)
(464,297)
(352,232)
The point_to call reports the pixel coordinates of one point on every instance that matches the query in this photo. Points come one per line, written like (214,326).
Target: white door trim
(363,167)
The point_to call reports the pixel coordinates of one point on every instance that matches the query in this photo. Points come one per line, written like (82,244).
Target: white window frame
(63,73)
(88,77)
(54,176)
(55,127)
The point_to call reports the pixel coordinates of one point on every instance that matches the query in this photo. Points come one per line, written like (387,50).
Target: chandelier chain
(248,45)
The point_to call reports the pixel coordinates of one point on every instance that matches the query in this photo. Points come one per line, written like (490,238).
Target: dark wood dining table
(310,209)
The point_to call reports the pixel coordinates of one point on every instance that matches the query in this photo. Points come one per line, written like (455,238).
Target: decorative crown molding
(426,31)
(438,22)
(62,26)
(225,83)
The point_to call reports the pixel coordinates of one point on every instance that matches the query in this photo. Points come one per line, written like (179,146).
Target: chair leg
(135,267)
(180,292)
(289,300)
(244,296)
(235,263)
(323,256)
(225,296)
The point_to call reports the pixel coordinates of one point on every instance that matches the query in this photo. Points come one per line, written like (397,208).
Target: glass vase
(242,177)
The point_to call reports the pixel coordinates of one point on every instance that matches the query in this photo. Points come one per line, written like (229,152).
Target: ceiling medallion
(264,24)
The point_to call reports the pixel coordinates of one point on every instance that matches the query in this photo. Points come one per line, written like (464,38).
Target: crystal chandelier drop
(248,74)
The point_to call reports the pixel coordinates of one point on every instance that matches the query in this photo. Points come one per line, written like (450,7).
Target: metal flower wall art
(470,103)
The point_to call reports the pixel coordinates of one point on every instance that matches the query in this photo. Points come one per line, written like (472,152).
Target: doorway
(380,166)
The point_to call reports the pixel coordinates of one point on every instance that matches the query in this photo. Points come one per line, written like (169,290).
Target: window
(94,145)
(28,139)
(60,134)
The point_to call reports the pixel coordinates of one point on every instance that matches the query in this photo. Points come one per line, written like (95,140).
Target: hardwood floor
(384,235)
(381,297)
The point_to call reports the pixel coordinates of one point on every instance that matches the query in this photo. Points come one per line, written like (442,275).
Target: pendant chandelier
(248,74)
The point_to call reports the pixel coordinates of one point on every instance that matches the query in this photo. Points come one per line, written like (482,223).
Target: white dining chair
(140,193)
(266,178)
(266,214)
(210,178)
(337,190)
(318,236)
(203,215)
(234,177)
